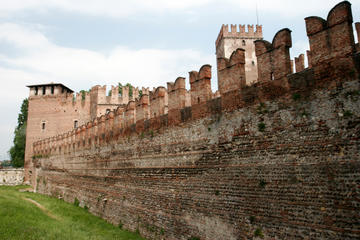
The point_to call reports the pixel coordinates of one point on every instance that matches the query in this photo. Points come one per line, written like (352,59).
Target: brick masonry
(278,159)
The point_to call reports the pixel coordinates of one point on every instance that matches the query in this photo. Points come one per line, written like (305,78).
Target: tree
(17,152)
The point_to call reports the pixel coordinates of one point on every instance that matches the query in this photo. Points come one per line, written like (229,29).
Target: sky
(82,43)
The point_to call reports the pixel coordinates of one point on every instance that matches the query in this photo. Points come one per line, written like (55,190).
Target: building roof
(51,84)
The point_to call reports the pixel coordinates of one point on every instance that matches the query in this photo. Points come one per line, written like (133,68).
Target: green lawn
(22,219)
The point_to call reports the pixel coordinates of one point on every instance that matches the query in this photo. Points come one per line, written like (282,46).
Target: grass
(22,219)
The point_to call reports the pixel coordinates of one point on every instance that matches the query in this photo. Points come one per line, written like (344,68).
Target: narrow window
(52,89)
(43,126)
(272,76)
(243,43)
(198,100)
(75,123)
(107,111)
(253,63)
(36,91)
(43,90)
(62,90)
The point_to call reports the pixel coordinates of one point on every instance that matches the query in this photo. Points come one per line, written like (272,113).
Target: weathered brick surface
(200,85)
(278,158)
(231,72)
(220,177)
(300,63)
(274,58)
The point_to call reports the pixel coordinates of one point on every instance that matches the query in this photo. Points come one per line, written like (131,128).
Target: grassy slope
(21,219)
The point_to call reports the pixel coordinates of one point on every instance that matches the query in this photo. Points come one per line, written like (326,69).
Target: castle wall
(220,177)
(278,159)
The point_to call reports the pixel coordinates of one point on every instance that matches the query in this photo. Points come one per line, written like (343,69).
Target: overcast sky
(82,43)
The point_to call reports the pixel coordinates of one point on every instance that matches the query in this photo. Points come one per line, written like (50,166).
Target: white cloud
(43,61)
(120,9)
(108,8)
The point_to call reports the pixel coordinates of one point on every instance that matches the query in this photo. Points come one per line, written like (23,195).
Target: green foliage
(261,127)
(83,95)
(347,114)
(217,192)
(140,93)
(261,109)
(109,93)
(151,133)
(21,219)
(262,183)
(17,151)
(194,238)
(141,135)
(354,95)
(120,225)
(130,89)
(120,88)
(296,96)
(258,233)
(76,202)
(5,163)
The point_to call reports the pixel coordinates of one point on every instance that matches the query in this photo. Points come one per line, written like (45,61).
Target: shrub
(258,233)
(76,202)
(261,127)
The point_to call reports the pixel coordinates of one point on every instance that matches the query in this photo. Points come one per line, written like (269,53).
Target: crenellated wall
(278,159)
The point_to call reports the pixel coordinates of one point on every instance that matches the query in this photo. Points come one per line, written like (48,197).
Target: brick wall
(278,159)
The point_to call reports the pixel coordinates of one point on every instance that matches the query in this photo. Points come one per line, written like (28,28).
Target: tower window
(198,99)
(243,43)
(43,126)
(62,90)
(36,91)
(107,111)
(253,63)
(52,89)
(75,123)
(43,90)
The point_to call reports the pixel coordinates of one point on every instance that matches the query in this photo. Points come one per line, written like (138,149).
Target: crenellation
(230,148)
(331,41)
(130,114)
(274,58)
(157,102)
(300,63)
(231,72)
(200,85)
(142,108)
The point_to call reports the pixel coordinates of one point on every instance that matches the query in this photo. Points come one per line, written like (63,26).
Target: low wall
(11,176)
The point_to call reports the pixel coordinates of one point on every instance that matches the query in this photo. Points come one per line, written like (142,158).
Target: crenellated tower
(228,41)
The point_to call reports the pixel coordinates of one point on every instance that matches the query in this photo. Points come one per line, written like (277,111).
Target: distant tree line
(17,151)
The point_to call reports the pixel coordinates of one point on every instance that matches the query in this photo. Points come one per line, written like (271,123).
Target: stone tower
(52,110)
(228,41)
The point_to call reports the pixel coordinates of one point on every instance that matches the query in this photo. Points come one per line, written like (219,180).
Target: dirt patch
(42,208)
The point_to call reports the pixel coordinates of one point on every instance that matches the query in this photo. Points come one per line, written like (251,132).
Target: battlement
(239,31)
(231,72)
